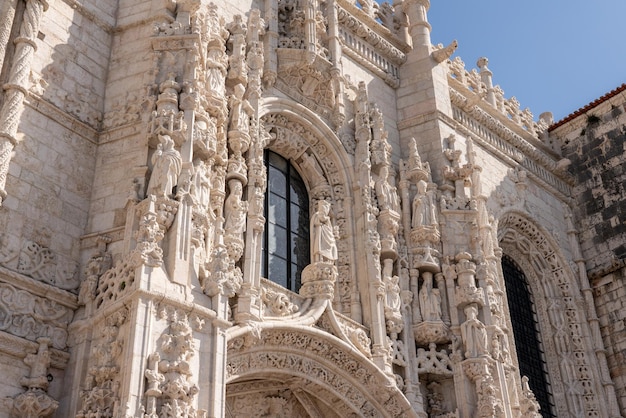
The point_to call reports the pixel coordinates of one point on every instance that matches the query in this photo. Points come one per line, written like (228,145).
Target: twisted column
(7,11)
(17,85)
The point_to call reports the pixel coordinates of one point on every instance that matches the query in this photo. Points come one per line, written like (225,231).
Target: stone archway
(572,364)
(325,165)
(311,371)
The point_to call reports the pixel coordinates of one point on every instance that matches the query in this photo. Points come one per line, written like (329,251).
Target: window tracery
(285,250)
(530,354)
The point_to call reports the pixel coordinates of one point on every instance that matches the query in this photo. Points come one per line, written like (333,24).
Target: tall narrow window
(286,239)
(530,355)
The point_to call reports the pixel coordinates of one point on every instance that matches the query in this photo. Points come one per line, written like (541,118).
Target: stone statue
(216,71)
(423,208)
(201,185)
(167,165)
(430,300)
(240,110)
(323,246)
(386,192)
(235,209)
(474,333)
(392,287)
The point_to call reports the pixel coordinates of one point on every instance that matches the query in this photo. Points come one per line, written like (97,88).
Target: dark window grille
(285,250)
(530,355)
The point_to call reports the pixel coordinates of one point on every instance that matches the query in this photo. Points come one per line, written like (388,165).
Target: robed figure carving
(430,300)
(423,208)
(235,210)
(474,333)
(323,245)
(167,165)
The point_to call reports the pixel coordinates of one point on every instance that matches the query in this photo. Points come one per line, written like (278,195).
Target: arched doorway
(571,362)
(308,372)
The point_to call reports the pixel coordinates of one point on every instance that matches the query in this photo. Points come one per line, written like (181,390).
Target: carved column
(270,43)
(594,321)
(7,10)
(310,30)
(334,46)
(17,85)
(485,76)
(419,28)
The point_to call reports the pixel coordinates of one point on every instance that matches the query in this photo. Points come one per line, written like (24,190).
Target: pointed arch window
(530,355)
(285,250)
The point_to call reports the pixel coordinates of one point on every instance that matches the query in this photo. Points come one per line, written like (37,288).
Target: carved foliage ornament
(30,317)
(558,297)
(376,387)
(34,258)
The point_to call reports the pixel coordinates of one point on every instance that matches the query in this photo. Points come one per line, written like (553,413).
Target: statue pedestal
(431,332)
(318,280)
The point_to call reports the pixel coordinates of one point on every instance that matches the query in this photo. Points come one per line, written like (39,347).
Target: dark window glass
(285,249)
(530,355)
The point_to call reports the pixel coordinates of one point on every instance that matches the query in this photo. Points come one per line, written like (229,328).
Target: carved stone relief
(554,288)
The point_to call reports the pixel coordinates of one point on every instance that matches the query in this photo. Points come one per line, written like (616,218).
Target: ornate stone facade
(136,205)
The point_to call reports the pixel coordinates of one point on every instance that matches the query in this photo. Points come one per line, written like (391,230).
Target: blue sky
(552,55)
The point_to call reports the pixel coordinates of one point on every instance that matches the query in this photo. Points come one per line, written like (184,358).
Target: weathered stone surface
(133,211)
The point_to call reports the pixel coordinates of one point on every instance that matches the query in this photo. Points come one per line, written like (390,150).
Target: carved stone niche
(437,382)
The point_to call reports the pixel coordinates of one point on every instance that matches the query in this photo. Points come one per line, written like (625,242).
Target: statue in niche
(423,208)
(167,165)
(386,192)
(323,245)
(216,71)
(235,209)
(474,333)
(430,300)
(201,185)
(392,287)
(240,110)
(238,69)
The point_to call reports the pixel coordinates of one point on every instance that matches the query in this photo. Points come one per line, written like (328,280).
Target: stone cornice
(63,118)
(387,77)
(368,23)
(511,143)
(499,152)
(38,288)
(19,347)
(93,16)
(377,42)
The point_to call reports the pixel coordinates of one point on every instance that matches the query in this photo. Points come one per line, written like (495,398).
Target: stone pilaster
(17,85)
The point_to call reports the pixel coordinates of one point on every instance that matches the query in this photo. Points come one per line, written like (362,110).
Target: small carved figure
(240,110)
(430,300)
(392,287)
(167,165)
(235,209)
(474,333)
(423,208)
(216,71)
(323,245)
(386,192)
(201,185)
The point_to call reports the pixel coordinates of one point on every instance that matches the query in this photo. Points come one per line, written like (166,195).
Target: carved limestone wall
(570,355)
(324,366)
(326,178)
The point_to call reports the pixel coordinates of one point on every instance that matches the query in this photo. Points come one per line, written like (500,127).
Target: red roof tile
(588,107)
